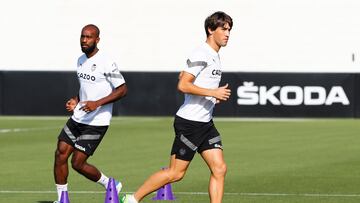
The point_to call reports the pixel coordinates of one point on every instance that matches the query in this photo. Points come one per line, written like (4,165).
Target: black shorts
(82,137)
(193,136)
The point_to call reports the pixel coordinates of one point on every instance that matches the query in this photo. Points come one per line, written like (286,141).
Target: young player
(193,125)
(101,83)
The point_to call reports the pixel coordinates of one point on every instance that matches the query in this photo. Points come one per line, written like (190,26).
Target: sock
(61,188)
(132,199)
(104,180)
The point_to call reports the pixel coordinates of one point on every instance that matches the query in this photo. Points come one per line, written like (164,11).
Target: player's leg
(62,154)
(65,146)
(211,151)
(182,152)
(79,163)
(87,141)
(215,160)
(88,138)
(175,172)
(63,151)
(61,170)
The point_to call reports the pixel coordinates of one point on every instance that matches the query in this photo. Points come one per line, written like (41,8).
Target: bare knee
(77,166)
(78,161)
(60,157)
(62,152)
(175,176)
(219,170)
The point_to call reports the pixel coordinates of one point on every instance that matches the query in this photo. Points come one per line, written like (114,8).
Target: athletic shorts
(193,136)
(82,137)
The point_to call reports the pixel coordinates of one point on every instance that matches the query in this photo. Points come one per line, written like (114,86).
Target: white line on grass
(140,118)
(6,118)
(192,193)
(14,130)
(160,118)
(233,119)
(273,194)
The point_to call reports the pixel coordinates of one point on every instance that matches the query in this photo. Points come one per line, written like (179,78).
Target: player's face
(88,40)
(221,35)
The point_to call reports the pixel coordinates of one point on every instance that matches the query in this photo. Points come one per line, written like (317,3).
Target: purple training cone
(164,193)
(64,197)
(111,193)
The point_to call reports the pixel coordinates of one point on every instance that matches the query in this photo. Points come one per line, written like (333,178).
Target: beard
(89,49)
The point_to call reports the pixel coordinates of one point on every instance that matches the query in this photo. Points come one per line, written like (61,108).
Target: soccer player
(101,83)
(193,125)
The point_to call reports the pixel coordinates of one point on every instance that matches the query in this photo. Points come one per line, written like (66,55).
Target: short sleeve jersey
(204,64)
(98,77)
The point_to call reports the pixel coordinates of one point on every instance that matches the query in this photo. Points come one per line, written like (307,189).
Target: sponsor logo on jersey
(216,72)
(79,147)
(86,76)
(249,94)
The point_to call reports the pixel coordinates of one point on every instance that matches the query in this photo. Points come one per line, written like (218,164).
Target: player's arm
(116,94)
(186,85)
(71,103)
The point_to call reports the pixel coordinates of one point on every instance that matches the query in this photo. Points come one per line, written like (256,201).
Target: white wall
(157,35)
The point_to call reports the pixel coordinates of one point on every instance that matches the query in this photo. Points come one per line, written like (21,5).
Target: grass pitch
(268,160)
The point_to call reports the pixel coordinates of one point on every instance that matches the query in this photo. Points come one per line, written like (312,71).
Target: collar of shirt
(211,50)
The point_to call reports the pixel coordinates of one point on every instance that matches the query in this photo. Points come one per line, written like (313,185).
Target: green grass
(285,161)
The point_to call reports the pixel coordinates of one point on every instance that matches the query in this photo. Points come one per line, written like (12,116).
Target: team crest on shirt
(93,67)
(116,69)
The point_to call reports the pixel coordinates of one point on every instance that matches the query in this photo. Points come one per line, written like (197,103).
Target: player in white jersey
(101,83)
(193,125)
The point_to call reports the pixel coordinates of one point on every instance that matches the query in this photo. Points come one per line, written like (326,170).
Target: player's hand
(71,104)
(89,106)
(222,93)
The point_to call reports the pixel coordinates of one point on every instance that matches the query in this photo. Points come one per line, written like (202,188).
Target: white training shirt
(98,77)
(204,64)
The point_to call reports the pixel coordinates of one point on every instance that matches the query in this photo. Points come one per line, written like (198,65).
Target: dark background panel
(357,95)
(37,93)
(45,93)
(1,92)
(150,93)
(155,94)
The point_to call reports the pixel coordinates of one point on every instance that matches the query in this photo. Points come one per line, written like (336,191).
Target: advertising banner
(301,95)
(289,95)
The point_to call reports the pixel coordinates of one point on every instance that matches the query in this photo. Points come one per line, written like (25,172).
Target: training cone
(164,193)
(111,193)
(64,197)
